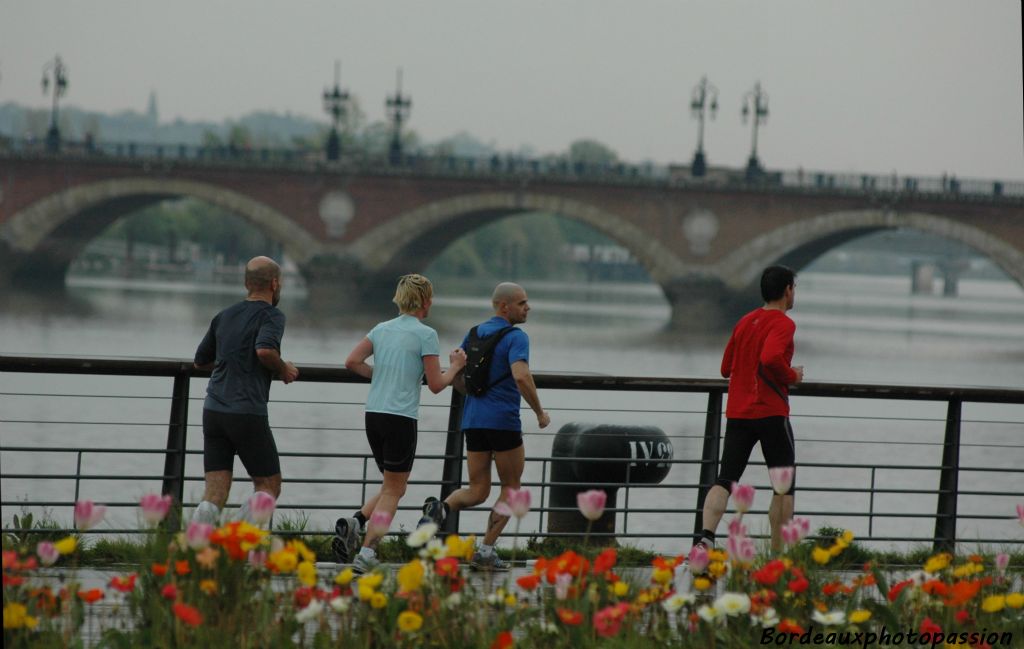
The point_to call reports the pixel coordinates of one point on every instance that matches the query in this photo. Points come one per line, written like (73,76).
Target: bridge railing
(552,167)
(950,473)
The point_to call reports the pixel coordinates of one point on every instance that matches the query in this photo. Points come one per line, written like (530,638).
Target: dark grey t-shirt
(239,383)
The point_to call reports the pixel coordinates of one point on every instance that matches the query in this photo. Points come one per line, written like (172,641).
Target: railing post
(452,471)
(945,515)
(174,458)
(709,457)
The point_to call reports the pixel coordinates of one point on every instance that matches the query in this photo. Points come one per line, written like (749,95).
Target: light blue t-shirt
(498,408)
(399,346)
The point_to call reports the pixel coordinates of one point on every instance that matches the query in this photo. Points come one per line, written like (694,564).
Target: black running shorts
(776,438)
(249,436)
(393,441)
(492,440)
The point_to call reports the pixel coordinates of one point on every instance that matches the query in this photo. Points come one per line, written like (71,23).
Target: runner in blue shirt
(491,422)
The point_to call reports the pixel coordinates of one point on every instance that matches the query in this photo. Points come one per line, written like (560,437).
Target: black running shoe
(433,512)
(345,543)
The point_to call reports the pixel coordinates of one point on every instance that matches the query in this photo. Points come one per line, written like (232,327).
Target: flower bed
(239,586)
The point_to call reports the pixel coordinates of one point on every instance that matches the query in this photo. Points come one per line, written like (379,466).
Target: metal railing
(555,168)
(700,472)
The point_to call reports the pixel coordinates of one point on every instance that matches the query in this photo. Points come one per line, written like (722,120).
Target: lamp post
(334,104)
(755,104)
(59,73)
(398,108)
(702,92)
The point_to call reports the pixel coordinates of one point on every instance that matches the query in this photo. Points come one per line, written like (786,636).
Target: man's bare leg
(510,471)
(780,512)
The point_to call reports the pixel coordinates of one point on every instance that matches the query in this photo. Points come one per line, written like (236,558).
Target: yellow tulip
(993,603)
(379,600)
(307,573)
(14,615)
(702,583)
(621,589)
(344,577)
(1015,600)
(847,537)
(662,576)
(372,580)
(938,562)
(409,621)
(860,615)
(410,576)
(821,556)
(303,551)
(284,560)
(208,586)
(66,545)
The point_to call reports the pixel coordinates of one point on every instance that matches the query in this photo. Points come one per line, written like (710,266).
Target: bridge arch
(800,243)
(415,238)
(46,236)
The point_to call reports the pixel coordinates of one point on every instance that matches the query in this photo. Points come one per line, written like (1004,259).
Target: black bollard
(634,454)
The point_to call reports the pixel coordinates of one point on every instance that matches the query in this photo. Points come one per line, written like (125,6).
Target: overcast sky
(915,86)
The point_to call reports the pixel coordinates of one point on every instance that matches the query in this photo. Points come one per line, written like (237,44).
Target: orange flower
(182,567)
(832,588)
(962,592)
(661,563)
(528,582)
(159,569)
(935,587)
(570,617)
(447,567)
(567,563)
(190,615)
(929,626)
(90,596)
(605,561)
(789,625)
(897,588)
(207,557)
(124,584)
(503,641)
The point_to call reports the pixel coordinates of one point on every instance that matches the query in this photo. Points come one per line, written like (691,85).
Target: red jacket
(756,362)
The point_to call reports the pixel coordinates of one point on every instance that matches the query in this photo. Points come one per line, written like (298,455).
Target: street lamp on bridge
(398,108)
(335,103)
(701,94)
(56,70)
(755,104)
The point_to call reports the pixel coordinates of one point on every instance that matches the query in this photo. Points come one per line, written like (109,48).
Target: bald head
(260,272)
(505,292)
(509,302)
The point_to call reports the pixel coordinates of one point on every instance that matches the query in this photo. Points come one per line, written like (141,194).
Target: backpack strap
(498,335)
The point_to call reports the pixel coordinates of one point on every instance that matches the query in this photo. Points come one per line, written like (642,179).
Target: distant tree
(591,152)
(239,137)
(211,139)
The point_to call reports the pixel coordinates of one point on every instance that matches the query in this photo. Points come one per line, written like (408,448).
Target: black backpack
(479,354)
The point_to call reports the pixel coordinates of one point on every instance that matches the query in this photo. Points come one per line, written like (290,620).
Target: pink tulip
(741,549)
(257,558)
(261,507)
(1002,560)
(795,530)
(48,554)
(88,514)
(155,507)
(1020,514)
(737,528)
(562,583)
(698,559)
(591,503)
(782,479)
(198,535)
(379,523)
(742,496)
(516,503)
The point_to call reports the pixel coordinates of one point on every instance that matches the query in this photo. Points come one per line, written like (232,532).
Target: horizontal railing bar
(337,374)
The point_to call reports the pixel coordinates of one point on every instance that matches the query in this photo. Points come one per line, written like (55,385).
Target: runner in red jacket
(757,364)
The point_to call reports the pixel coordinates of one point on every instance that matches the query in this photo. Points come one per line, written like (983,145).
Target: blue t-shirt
(498,408)
(240,384)
(399,346)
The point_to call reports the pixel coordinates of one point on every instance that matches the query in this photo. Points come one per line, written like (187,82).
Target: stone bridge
(352,231)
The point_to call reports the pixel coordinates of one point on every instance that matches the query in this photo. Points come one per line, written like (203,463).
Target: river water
(850,328)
